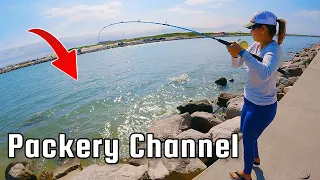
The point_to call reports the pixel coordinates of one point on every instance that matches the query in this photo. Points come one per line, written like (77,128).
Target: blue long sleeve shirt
(260,87)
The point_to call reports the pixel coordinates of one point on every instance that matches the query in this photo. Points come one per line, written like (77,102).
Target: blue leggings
(254,120)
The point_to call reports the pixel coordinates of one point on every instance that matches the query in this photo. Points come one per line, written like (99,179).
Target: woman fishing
(260,94)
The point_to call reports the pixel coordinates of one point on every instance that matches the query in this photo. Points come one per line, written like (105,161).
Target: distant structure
(221,34)
(104,42)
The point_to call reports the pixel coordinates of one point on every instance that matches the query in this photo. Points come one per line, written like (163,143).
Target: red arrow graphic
(66,61)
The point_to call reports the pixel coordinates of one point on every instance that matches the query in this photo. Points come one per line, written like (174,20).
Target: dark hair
(272,30)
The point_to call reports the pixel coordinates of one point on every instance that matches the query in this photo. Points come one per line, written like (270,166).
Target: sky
(78,22)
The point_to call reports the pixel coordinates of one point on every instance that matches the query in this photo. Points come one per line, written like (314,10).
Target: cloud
(308,14)
(185,11)
(200,2)
(78,13)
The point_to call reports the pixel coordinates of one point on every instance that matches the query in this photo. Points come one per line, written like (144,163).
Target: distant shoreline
(126,42)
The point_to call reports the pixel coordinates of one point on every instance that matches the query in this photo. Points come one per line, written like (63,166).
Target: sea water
(119,91)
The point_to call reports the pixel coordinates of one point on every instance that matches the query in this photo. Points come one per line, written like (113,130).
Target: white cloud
(199,2)
(78,13)
(308,14)
(185,11)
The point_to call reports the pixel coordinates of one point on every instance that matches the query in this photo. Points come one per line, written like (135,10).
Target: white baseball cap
(262,17)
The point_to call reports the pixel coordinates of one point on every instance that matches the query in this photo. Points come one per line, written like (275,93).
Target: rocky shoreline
(210,119)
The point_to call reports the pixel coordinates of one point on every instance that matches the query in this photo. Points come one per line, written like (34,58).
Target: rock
(286,89)
(282,80)
(311,55)
(224,98)
(69,175)
(178,168)
(117,171)
(280,88)
(203,121)
(171,126)
(46,175)
(195,135)
(286,64)
(68,166)
(232,125)
(193,106)
(295,71)
(304,54)
(221,82)
(18,171)
(303,67)
(158,171)
(292,80)
(231,80)
(302,60)
(191,134)
(280,96)
(294,65)
(234,107)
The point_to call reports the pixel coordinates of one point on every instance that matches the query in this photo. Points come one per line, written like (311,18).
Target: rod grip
(224,42)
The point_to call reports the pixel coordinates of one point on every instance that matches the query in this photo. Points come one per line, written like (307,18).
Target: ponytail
(281,31)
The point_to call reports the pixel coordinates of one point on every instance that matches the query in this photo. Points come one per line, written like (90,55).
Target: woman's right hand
(234,49)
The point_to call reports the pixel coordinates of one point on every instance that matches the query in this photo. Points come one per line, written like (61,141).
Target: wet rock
(280,96)
(234,107)
(18,171)
(231,80)
(193,106)
(221,82)
(171,126)
(224,98)
(203,121)
(68,166)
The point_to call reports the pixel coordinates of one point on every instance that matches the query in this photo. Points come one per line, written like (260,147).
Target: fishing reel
(243,44)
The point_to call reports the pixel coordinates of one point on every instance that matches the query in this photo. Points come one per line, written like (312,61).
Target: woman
(260,94)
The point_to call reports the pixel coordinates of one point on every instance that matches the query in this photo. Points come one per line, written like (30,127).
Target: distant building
(221,33)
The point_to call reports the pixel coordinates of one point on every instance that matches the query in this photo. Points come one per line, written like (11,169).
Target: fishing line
(190,30)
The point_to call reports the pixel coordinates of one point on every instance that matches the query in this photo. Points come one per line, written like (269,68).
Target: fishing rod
(190,30)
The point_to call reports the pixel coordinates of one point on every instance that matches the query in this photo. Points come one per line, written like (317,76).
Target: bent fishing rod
(190,30)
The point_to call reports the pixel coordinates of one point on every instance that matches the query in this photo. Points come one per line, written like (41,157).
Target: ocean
(119,91)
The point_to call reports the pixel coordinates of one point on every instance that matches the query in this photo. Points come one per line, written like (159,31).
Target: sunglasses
(256,26)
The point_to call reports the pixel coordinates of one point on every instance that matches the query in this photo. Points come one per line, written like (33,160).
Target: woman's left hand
(234,49)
